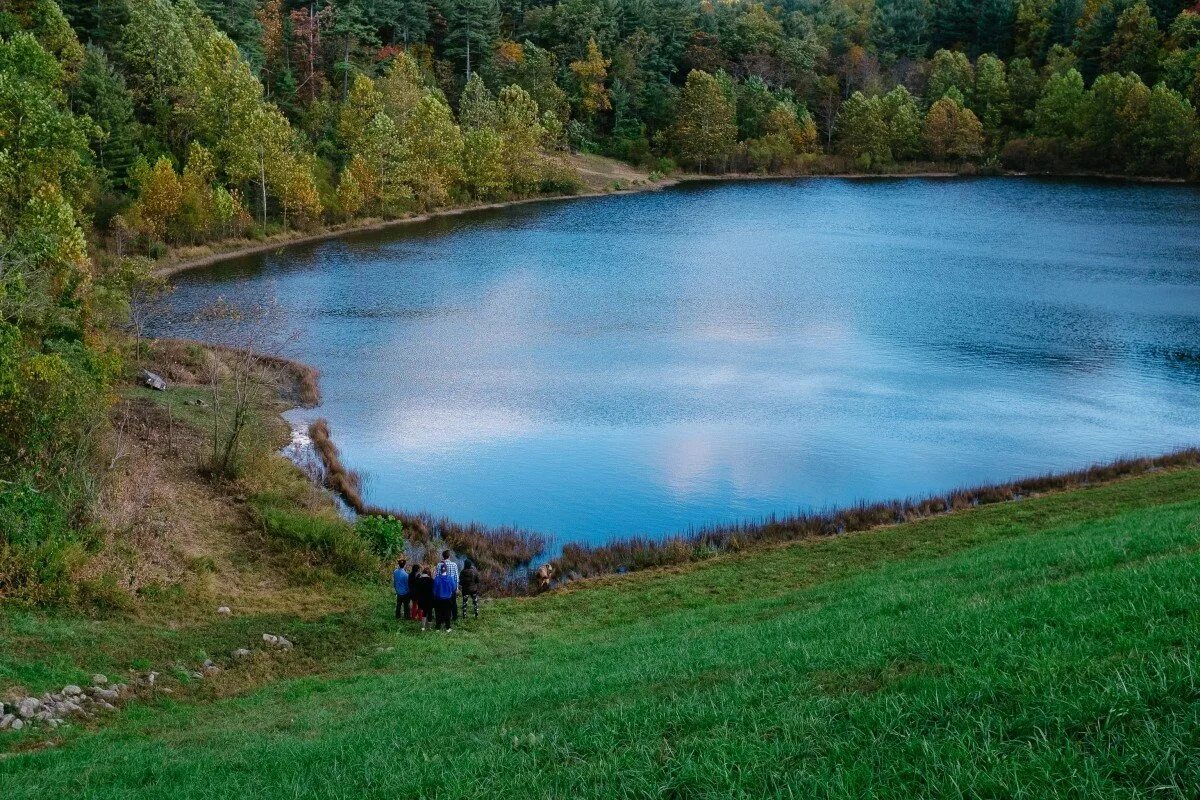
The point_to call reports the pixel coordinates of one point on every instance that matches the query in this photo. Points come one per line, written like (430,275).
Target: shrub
(326,540)
(384,534)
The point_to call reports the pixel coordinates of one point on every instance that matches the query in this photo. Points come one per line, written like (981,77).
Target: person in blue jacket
(400,584)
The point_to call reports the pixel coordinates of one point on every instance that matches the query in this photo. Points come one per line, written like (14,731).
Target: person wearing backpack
(444,588)
(469,584)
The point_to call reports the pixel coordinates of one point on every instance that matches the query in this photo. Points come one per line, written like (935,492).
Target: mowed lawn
(1043,648)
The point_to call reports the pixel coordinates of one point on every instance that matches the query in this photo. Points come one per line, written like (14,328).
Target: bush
(384,534)
(329,541)
(37,547)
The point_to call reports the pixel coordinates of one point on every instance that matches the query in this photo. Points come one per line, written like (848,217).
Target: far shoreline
(170,267)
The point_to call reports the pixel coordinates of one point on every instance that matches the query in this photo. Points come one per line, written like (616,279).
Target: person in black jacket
(469,585)
(424,593)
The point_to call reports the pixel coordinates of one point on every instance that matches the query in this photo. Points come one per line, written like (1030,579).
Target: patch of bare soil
(601,174)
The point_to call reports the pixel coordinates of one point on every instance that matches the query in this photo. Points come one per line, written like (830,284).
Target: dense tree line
(774,86)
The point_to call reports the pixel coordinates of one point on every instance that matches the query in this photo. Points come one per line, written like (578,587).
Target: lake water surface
(712,353)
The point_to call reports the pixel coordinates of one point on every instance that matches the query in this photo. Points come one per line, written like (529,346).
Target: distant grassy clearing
(1046,648)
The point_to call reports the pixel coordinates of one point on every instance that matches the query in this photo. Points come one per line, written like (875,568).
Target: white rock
(106,694)
(6,721)
(284,643)
(28,707)
(71,690)
(151,677)
(17,724)
(99,680)
(224,611)
(241,652)
(270,638)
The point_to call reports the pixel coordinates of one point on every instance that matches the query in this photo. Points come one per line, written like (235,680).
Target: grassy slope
(1044,648)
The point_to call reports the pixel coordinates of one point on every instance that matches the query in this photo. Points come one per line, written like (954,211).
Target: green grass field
(1044,648)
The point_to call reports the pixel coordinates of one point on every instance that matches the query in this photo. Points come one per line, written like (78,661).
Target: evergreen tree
(901,27)
(1134,46)
(995,27)
(476,106)
(473,28)
(101,94)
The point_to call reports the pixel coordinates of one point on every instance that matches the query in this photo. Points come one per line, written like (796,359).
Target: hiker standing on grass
(424,595)
(451,565)
(469,586)
(413,574)
(445,586)
(400,584)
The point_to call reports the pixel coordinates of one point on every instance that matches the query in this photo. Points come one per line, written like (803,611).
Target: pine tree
(473,27)
(901,27)
(100,93)
(1135,44)
(476,106)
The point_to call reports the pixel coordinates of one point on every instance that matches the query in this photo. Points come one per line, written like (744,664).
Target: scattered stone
(151,678)
(241,652)
(71,690)
(6,721)
(99,680)
(283,643)
(196,675)
(270,638)
(17,724)
(106,694)
(28,707)
(224,611)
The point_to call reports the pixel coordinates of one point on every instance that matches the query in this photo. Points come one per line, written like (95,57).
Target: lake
(718,352)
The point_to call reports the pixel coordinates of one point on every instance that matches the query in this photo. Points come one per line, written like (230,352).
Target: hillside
(1040,648)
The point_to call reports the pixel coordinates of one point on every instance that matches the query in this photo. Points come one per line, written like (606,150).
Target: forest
(128,127)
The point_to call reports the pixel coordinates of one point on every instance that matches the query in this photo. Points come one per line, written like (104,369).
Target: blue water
(711,353)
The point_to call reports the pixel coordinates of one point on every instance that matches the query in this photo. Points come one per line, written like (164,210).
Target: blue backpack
(443,586)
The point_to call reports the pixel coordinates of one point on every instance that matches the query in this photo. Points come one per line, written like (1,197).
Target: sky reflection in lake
(643,363)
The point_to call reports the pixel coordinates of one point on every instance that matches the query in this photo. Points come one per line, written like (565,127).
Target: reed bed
(505,554)
(640,552)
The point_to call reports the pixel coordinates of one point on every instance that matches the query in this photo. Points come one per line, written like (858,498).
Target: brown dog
(543,575)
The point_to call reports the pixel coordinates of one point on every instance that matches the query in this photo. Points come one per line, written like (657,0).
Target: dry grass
(166,527)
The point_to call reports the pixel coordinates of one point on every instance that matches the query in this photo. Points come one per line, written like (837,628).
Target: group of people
(431,595)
